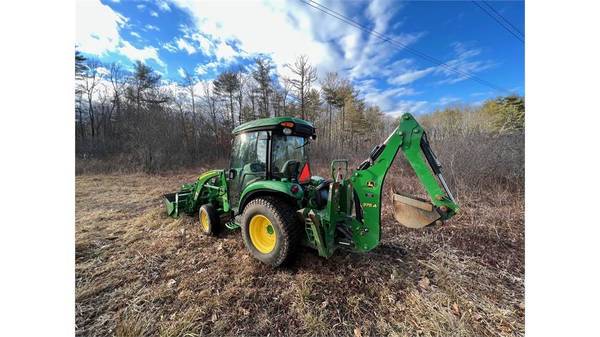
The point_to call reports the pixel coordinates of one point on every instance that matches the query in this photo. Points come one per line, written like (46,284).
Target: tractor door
(248,163)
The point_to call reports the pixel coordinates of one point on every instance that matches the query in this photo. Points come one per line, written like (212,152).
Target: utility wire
(503,18)
(508,29)
(399,45)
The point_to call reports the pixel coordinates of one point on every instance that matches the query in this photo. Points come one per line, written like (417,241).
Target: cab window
(287,149)
(249,158)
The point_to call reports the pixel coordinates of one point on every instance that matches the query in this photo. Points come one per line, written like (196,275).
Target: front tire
(209,219)
(270,230)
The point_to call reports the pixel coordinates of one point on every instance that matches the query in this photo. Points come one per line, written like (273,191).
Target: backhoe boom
(368,179)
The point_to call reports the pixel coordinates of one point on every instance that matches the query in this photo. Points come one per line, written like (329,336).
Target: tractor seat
(322,194)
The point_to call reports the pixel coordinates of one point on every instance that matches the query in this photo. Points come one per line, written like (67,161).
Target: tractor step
(234,223)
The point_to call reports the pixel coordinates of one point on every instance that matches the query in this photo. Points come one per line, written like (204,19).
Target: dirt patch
(140,273)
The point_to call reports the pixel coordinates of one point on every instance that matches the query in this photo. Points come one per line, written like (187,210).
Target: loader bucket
(169,200)
(175,202)
(413,213)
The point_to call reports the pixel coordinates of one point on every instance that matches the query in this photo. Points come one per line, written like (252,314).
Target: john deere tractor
(269,191)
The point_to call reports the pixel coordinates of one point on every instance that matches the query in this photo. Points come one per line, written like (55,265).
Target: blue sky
(206,37)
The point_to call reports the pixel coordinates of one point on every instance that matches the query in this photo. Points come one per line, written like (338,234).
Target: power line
(508,29)
(503,18)
(399,45)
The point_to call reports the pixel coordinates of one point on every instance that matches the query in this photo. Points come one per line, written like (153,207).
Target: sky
(207,37)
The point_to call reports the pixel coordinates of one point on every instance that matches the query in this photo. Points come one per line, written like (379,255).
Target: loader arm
(367,183)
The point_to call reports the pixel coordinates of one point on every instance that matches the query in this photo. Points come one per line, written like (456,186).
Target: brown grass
(140,273)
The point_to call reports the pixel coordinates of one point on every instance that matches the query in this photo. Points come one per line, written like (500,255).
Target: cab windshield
(286,151)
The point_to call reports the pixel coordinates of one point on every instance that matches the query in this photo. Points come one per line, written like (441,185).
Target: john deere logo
(370,184)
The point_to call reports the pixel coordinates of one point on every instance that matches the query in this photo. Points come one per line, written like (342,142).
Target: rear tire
(210,223)
(270,230)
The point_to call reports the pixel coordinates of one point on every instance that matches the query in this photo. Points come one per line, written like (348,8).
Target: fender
(269,187)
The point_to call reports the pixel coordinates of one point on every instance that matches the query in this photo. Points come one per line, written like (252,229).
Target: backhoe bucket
(413,213)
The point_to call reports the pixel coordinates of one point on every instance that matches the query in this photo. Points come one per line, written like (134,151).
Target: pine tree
(262,76)
(226,85)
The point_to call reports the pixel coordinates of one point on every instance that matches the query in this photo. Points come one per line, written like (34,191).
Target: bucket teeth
(413,213)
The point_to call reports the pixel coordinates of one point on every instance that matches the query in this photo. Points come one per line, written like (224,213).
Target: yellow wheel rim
(204,220)
(262,234)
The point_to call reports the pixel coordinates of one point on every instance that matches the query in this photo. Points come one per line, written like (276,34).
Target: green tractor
(270,193)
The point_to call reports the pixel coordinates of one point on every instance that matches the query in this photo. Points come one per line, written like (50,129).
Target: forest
(131,120)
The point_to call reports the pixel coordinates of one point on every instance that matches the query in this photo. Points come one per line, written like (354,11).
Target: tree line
(481,146)
(134,120)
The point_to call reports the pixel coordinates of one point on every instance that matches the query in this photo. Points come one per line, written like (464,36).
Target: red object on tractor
(305,174)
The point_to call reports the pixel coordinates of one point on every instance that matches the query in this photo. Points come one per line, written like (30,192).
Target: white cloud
(151,27)
(143,54)
(163,6)
(463,64)
(135,34)
(414,107)
(225,52)
(349,44)
(141,6)
(411,76)
(154,14)
(205,68)
(381,11)
(205,44)
(284,31)
(386,99)
(184,45)
(97,33)
(97,27)
(181,72)
(276,29)
(170,47)
(447,100)
(103,71)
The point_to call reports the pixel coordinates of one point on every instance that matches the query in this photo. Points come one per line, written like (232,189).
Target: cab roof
(300,126)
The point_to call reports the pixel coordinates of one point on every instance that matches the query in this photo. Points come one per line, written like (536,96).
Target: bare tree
(211,106)
(189,82)
(286,87)
(91,79)
(330,86)
(306,75)
(242,77)
(80,69)
(118,81)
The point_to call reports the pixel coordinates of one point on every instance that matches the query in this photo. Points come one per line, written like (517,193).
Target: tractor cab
(269,149)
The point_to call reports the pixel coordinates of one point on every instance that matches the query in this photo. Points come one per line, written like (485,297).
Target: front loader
(269,192)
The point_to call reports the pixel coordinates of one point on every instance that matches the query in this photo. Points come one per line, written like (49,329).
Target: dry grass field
(141,273)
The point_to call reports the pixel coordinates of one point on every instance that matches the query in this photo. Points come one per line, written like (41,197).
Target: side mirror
(231,174)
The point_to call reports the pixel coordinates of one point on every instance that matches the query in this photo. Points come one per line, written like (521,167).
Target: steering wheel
(290,168)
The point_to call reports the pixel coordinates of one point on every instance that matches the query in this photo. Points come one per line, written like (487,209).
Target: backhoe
(269,192)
